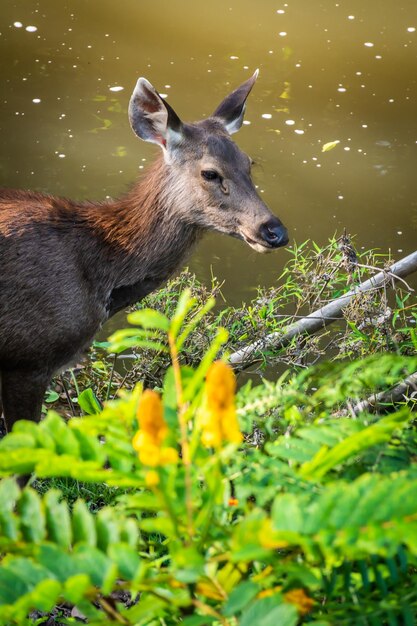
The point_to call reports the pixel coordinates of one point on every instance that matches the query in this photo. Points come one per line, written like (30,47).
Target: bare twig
(377,401)
(327,314)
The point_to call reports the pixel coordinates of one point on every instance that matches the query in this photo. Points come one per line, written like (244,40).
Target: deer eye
(210,175)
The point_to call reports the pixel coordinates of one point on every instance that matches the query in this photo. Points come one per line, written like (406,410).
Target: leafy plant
(272,505)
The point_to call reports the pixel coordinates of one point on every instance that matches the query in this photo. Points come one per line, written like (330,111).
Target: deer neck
(144,235)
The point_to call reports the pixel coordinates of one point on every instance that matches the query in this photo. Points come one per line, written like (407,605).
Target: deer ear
(151,118)
(231,111)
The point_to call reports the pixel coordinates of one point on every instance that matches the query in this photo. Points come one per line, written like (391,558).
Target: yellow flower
(151,478)
(152,431)
(300,599)
(218,416)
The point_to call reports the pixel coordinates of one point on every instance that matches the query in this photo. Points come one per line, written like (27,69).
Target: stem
(111,377)
(112,612)
(70,403)
(206,609)
(185,448)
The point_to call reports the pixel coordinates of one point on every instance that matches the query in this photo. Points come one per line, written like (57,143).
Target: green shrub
(309,517)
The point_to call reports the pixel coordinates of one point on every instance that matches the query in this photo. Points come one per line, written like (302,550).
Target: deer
(66,267)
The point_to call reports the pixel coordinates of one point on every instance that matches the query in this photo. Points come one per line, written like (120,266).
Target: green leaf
(58,519)
(129,532)
(184,305)
(95,564)
(12,587)
(126,559)
(51,396)
(75,588)
(65,440)
(9,493)
(188,564)
(57,561)
(32,519)
(108,532)
(148,318)
(270,612)
(90,447)
(198,620)
(193,323)
(240,597)
(328,458)
(83,526)
(88,402)
(286,513)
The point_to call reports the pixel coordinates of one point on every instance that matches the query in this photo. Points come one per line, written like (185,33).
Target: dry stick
(376,401)
(327,314)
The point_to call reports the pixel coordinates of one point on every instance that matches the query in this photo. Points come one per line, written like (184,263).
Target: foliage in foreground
(308,517)
(374,322)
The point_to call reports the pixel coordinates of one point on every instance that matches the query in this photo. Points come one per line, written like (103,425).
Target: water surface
(329,71)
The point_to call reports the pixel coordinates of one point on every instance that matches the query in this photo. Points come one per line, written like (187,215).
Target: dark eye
(210,175)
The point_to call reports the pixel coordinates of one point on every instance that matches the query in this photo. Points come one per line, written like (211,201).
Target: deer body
(66,267)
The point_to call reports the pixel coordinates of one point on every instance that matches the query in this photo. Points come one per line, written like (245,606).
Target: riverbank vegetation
(193,494)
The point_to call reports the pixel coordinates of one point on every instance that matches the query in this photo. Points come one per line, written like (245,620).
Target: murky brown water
(343,71)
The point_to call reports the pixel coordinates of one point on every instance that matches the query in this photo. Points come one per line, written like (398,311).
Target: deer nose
(274,233)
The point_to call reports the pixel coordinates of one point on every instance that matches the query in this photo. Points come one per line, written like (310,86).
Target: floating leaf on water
(286,52)
(120,152)
(286,94)
(330,145)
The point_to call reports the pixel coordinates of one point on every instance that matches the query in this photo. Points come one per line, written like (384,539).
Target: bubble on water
(364,125)
(282,33)
(246,122)
(36,100)
(410,29)
(290,122)
(266,116)
(116,88)
(346,148)
(351,17)
(61,156)
(31,29)
(234,58)
(298,131)
(17,24)
(341,89)
(163,95)
(281,11)
(340,197)
(399,232)
(368,44)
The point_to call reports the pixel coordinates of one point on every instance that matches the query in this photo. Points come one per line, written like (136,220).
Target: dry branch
(377,401)
(327,314)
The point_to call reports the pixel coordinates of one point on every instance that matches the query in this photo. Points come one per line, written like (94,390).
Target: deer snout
(274,233)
